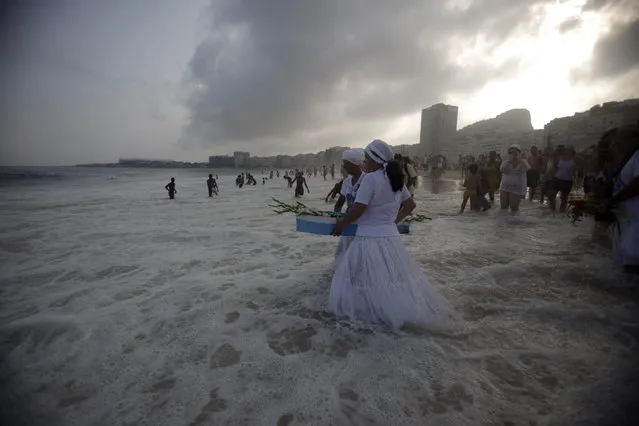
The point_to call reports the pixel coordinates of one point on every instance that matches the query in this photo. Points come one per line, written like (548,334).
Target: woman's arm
(407,208)
(339,204)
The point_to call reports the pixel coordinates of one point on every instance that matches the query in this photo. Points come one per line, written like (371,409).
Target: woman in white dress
(513,180)
(625,199)
(376,281)
(352,160)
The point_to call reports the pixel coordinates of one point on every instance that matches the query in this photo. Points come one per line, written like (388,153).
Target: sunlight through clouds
(547,58)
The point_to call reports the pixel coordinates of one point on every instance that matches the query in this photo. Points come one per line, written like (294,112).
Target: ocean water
(120,307)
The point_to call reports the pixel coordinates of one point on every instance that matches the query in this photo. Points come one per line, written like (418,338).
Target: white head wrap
(379,151)
(354,156)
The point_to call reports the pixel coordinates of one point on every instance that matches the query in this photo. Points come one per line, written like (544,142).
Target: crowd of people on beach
(376,281)
(554,171)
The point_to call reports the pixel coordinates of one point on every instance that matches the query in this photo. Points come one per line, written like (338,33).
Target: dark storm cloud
(276,69)
(615,7)
(618,52)
(595,4)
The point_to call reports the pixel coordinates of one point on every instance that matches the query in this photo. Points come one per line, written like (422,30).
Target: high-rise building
(439,124)
(220,161)
(242,159)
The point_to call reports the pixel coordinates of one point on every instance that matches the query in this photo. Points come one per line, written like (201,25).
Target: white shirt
(383,204)
(565,169)
(513,178)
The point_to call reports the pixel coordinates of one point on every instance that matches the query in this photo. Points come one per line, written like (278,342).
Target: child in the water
(472,184)
(171,188)
(211,185)
(300,183)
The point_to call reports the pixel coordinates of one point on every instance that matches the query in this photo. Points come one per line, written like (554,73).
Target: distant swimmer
(171,188)
(300,183)
(212,185)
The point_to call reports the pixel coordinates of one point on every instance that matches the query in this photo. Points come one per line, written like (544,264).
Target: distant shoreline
(179,165)
(151,166)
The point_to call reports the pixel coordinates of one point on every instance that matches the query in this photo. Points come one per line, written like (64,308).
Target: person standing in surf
(533,174)
(563,180)
(513,181)
(492,168)
(352,163)
(170,187)
(410,175)
(375,280)
(300,183)
(288,180)
(212,185)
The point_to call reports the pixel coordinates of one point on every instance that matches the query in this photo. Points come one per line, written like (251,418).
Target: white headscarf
(354,156)
(379,151)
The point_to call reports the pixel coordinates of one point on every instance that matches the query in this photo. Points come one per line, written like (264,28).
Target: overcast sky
(94,80)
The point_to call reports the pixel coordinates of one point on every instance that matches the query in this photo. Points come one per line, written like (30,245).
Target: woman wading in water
(513,181)
(376,281)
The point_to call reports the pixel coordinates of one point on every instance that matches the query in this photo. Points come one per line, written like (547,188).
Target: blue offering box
(403,228)
(322,225)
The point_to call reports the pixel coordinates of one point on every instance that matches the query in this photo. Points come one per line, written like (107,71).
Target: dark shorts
(560,185)
(532,178)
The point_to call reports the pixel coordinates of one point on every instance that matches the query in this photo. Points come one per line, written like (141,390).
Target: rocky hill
(512,121)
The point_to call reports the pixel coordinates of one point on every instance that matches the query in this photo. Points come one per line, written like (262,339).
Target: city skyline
(87,81)
(614,113)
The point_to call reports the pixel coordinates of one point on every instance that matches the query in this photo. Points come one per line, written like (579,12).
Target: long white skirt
(376,281)
(342,246)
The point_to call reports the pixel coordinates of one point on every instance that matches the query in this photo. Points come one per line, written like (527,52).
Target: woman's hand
(338,228)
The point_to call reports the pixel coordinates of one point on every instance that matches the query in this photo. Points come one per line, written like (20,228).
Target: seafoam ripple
(120,307)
